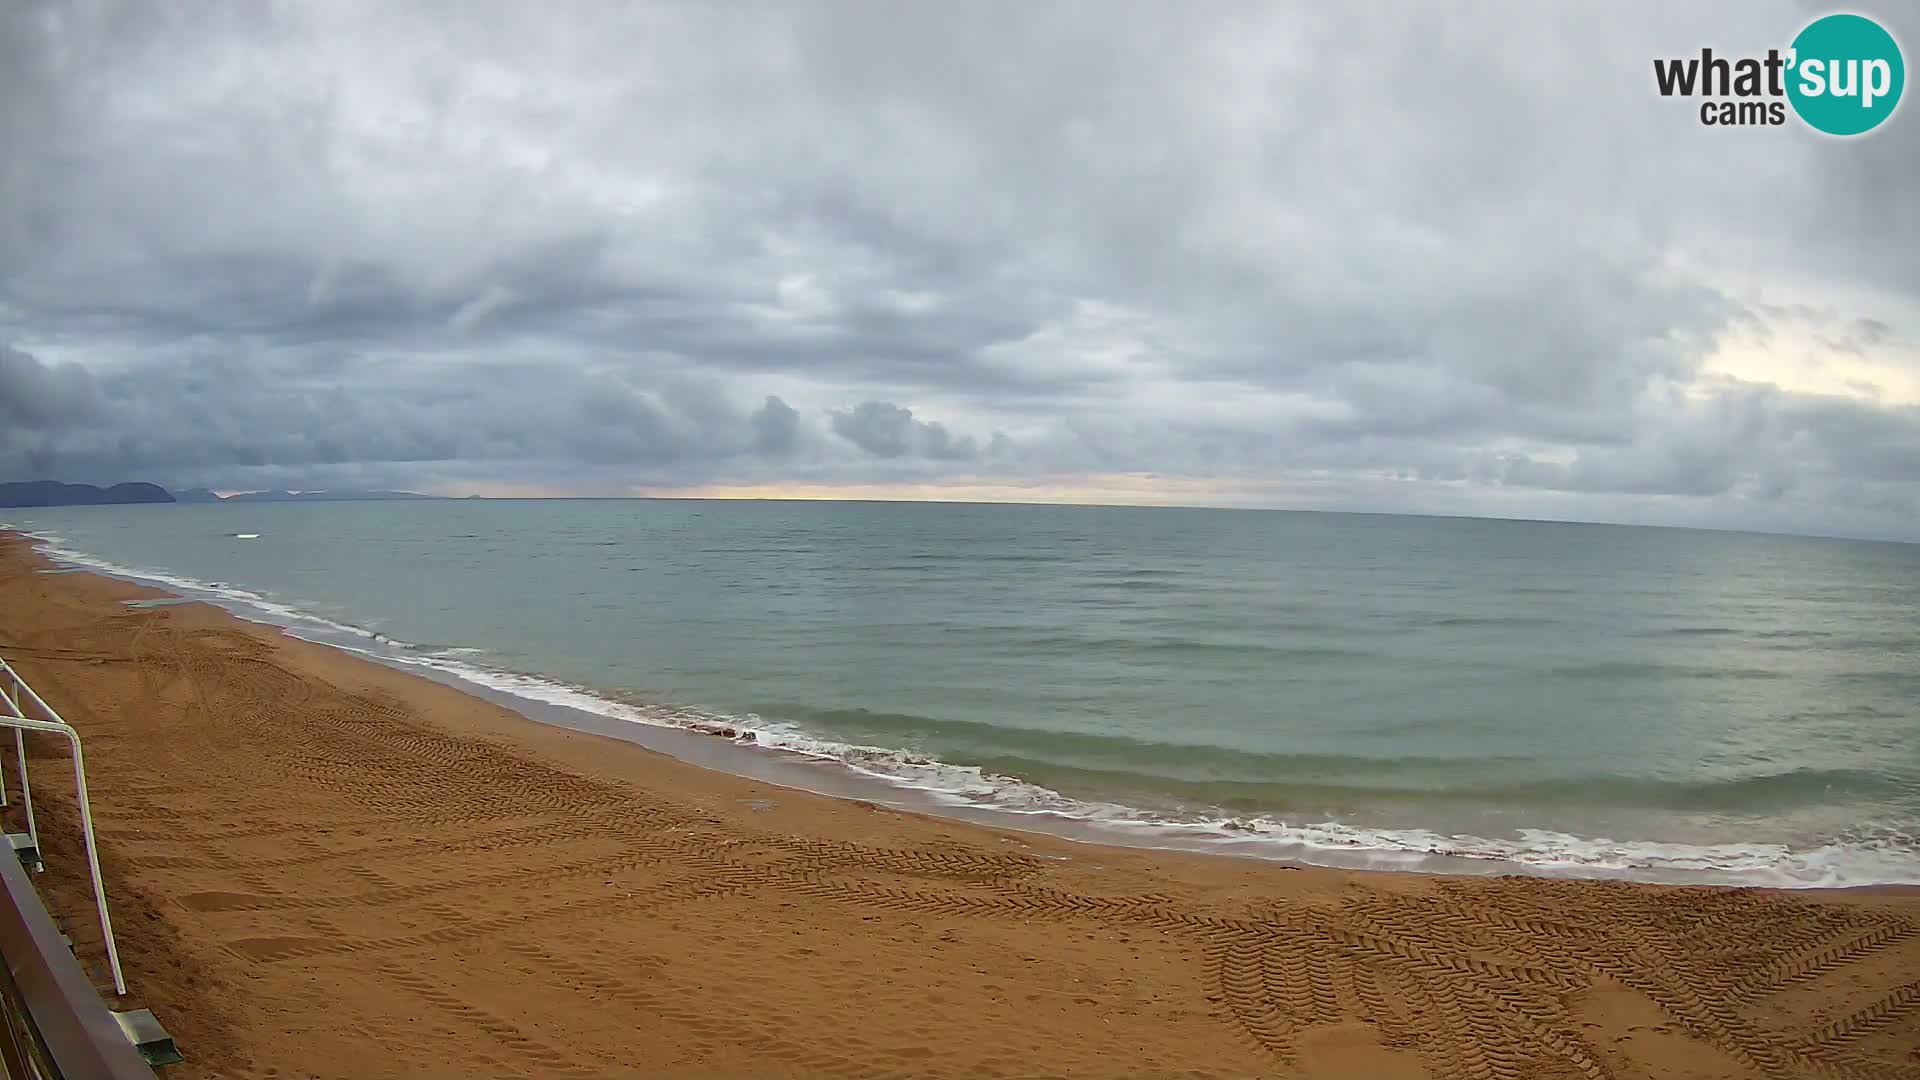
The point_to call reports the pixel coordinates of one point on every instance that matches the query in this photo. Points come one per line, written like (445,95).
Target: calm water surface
(1574,696)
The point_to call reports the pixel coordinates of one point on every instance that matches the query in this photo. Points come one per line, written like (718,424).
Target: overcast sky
(1406,257)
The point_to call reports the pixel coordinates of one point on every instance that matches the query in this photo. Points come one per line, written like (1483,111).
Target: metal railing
(53,1024)
(14,695)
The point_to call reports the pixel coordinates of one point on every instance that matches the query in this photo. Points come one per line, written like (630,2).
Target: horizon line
(873,500)
(349,493)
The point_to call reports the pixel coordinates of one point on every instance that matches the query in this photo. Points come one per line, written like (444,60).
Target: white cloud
(1457,260)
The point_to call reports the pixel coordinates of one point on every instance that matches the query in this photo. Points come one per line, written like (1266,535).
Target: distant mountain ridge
(54,493)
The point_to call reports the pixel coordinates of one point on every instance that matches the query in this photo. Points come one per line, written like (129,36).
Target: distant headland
(54,493)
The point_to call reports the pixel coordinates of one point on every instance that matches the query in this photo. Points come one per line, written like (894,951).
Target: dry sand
(323,867)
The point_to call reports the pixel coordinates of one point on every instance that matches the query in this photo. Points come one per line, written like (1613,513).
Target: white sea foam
(1883,861)
(1774,865)
(244,601)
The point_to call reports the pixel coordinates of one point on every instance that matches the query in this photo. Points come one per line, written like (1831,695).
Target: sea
(1345,689)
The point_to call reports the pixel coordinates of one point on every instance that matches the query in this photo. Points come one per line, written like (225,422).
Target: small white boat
(246,536)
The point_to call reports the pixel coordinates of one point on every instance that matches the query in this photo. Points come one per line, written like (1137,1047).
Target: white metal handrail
(20,722)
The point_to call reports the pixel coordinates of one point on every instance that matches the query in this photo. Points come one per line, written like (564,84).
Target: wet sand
(320,866)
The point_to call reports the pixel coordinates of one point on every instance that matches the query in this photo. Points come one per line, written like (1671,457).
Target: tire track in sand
(1474,976)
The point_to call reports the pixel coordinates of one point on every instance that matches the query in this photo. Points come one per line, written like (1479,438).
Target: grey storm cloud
(776,427)
(34,397)
(184,419)
(890,431)
(1448,261)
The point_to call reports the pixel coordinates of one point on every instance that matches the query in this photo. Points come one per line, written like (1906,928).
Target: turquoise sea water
(1580,698)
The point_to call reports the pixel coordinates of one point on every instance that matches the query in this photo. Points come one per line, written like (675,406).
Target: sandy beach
(320,866)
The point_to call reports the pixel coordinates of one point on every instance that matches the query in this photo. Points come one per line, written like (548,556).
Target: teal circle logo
(1846,74)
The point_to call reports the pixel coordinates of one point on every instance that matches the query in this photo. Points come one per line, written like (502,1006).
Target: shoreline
(708,742)
(321,863)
